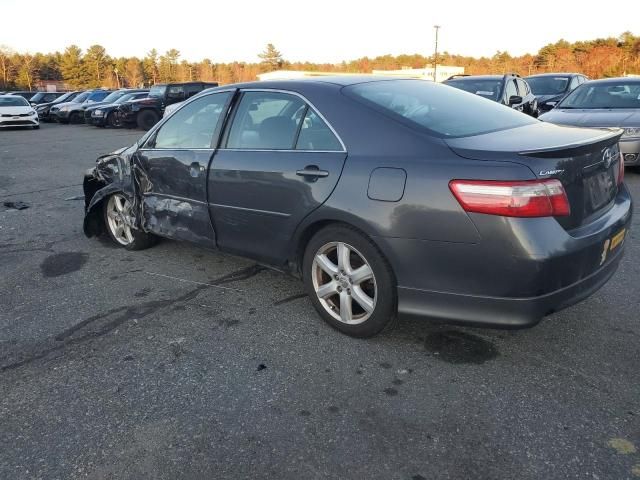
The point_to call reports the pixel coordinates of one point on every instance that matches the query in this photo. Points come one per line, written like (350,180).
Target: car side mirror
(515,100)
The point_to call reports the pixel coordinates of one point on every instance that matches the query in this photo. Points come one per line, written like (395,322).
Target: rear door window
(510,90)
(266,121)
(522,88)
(316,135)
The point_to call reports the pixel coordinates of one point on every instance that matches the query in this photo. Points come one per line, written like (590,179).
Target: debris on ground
(16,205)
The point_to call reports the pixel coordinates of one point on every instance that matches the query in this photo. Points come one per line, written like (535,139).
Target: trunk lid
(586,161)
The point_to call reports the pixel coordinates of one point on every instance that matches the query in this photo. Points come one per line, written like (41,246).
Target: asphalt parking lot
(178,362)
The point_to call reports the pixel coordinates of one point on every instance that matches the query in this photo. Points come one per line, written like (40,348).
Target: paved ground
(177,362)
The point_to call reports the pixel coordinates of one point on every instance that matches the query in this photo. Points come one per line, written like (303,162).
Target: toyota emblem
(607,157)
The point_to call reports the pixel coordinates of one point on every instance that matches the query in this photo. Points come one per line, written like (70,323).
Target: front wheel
(119,221)
(75,118)
(350,283)
(147,119)
(112,121)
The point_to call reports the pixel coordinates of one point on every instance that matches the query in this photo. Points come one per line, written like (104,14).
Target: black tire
(384,311)
(75,118)
(111,121)
(147,119)
(141,240)
(36,127)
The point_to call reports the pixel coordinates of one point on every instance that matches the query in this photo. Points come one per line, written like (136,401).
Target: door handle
(312,172)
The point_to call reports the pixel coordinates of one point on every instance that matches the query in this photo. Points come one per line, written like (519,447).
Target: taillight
(620,168)
(530,198)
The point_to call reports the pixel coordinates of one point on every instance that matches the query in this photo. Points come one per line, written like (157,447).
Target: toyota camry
(390,198)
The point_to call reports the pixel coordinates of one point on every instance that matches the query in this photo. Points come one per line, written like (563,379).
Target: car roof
(293,84)
(615,80)
(484,77)
(10,96)
(560,74)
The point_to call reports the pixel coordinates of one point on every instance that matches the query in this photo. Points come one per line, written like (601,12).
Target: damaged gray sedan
(390,198)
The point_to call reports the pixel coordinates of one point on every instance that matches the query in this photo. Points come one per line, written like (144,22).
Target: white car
(15,111)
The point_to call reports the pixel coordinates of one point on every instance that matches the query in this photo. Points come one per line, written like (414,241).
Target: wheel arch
(311,226)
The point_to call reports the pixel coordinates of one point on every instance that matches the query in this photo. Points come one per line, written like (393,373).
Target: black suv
(510,89)
(45,97)
(145,113)
(550,88)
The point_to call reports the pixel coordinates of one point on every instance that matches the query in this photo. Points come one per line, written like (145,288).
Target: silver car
(612,102)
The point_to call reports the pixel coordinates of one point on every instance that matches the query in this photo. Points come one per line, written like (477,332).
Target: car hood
(64,104)
(95,106)
(534,138)
(546,98)
(142,100)
(15,110)
(593,117)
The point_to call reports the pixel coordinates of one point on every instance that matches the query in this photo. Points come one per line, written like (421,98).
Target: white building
(443,72)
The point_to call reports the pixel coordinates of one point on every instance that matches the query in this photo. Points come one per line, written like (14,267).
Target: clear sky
(314,30)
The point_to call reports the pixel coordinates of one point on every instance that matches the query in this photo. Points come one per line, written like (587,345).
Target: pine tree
(271,57)
(72,67)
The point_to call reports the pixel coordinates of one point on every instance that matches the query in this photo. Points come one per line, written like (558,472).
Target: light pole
(115,70)
(435,55)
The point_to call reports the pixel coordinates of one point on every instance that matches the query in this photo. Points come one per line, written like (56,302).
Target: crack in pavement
(106,322)
(40,191)
(289,299)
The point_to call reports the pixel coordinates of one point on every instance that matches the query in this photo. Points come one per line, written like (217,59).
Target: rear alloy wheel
(119,221)
(349,282)
(147,119)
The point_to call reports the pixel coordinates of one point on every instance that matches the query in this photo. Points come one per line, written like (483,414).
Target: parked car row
(141,108)
(532,95)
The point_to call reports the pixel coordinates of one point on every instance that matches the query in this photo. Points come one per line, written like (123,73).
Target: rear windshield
(489,88)
(604,95)
(440,110)
(13,101)
(548,85)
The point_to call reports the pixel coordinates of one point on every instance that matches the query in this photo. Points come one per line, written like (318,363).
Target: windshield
(442,111)
(66,97)
(157,91)
(113,96)
(13,101)
(82,97)
(604,95)
(548,85)
(129,96)
(38,96)
(488,88)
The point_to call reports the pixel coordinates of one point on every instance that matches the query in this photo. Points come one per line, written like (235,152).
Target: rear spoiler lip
(571,149)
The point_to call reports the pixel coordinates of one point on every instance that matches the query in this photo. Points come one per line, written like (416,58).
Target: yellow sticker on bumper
(617,239)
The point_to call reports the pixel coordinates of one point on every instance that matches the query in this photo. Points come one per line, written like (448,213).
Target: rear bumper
(499,312)
(519,271)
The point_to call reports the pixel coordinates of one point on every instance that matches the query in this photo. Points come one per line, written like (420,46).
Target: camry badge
(607,157)
(550,172)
